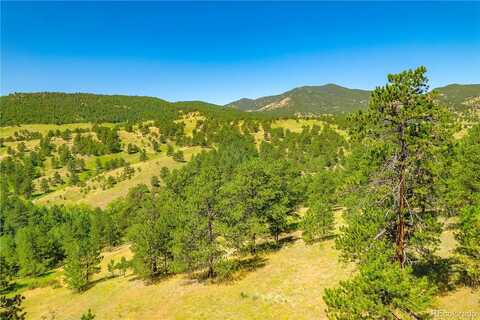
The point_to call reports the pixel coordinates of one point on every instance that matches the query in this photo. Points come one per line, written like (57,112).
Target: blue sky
(219,52)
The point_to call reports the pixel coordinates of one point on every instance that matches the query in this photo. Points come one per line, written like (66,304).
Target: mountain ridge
(333,99)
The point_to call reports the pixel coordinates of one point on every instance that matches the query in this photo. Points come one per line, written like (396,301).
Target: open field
(287,284)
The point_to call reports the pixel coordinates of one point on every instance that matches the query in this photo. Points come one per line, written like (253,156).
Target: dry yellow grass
(190,120)
(460,300)
(289,286)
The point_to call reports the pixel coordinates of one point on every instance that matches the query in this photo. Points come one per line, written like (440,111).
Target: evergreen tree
(154,181)
(258,199)
(111,268)
(382,290)
(131,148)
(403,133)
(196,243)
(143,155)
(88,316)
(29,251)
(122,265)
(44,186)
(98,165)
(74,179)
(82,251)
(155,146)
(170,150)
(468,251)
(406,131)
(55,162)
(151,236)
(57,179)
(319,221)
(178,156)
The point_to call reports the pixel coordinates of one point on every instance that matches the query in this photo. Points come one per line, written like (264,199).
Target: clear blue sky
(220,52)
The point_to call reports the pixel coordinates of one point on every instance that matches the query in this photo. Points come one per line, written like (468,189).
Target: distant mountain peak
(332,98)
(320,99)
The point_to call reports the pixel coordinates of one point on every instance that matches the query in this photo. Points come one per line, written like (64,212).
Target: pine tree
(170,150)
(381,290)
(319,221)
(82,251)
(156,146)
(57,179)
(122,265)
(196,243)
(44,186)
(131,148)
(402,136)
(468,250)
(178,156)
(88,316)
(143,155)
(151,235)
(259,200)
(98,165)
(111,267)
(154,181)
(406,130)
(74,179)
(28,242)
(55,162)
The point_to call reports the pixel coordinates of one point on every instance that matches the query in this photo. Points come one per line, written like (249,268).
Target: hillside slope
(334,99)
(460,96)
(329,98)
(60,108)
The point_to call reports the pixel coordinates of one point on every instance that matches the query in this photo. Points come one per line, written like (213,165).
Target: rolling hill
(460,96)
(329,98)
(61,108)
(334,99)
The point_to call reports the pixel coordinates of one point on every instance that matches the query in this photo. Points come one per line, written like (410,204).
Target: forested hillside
(196,212)
(460,97)
(59,108)
(308,100)
(334,99)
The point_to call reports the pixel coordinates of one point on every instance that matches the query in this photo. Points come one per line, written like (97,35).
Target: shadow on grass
(150,281)
(320,239)
(13,287)
(441,271)
(40,281)
(230,271)
(93,283)
(272,246)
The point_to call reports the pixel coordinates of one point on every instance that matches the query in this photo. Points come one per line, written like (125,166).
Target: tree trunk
(400,228)
(210,272)
(165,263)
(153,266)
(254,246)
